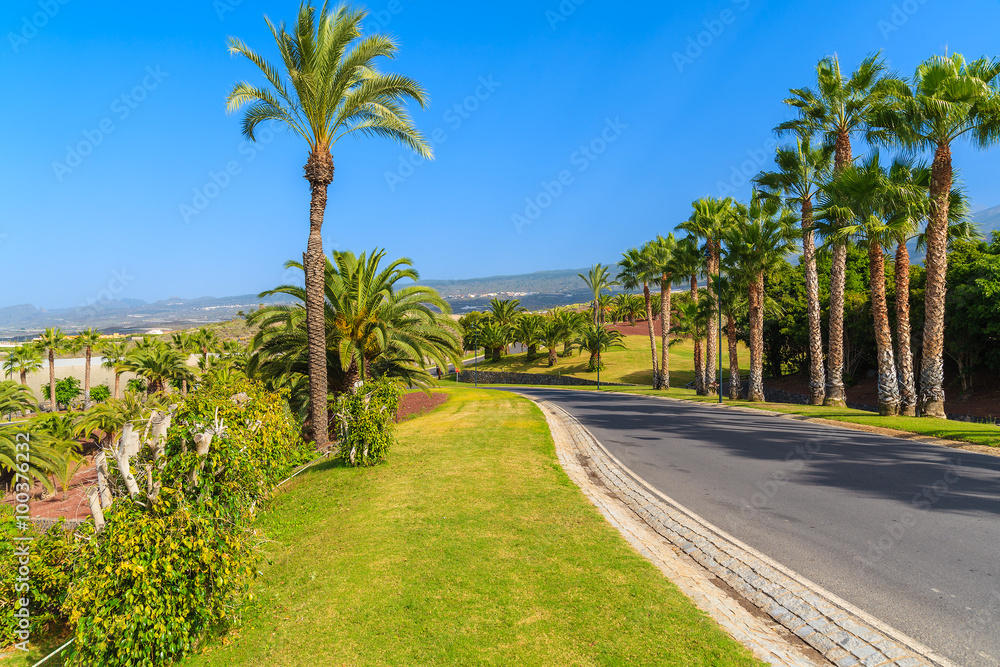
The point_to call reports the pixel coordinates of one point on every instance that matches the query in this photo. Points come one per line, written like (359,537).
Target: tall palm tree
(598,280)
(878,211)
(662,250)
(757,243)
(839,108)
(732,304)
(86,341)
(637,268)
(710,219)
(23,359)
(688,262)
(115,352)
(946,100)
(802,170)
(328,86)
(53,341)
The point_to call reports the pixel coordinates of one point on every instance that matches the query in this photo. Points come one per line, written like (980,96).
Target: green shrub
(67,390)
(100,393)
(366,422)
(163,575)
(137,385)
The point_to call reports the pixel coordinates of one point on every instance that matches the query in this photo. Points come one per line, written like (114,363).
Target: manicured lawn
(471,546)
(631,365)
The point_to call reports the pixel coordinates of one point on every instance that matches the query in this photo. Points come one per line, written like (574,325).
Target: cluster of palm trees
(506,323)
(818,183)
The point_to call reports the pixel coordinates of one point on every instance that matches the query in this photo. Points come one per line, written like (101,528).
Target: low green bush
(366,421)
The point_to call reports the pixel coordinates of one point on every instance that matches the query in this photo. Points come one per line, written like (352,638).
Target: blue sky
(124,173)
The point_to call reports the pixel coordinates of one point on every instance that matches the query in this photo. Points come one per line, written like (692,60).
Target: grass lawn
(470,546)
(630,365)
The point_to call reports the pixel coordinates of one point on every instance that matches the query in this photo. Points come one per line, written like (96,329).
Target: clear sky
(123,172)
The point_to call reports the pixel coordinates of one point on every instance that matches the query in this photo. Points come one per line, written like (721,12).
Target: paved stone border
(842,633)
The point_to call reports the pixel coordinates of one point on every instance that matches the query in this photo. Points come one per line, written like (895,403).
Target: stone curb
(843,634)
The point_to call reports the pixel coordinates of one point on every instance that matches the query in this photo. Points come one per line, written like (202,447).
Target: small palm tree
(757,243)
(115,353)
(159,366)
(495,337)
(595,339)
(332,88)
(185,343)
(15,399)
(23,360)
(86,341)
(528,332)
(204,341)
(53,341)
(946,100)
(840,108)
(58,432)
(553,334)
(802,170)
(598,280)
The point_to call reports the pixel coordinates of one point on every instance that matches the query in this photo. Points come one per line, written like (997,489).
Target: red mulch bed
(74,507)
(417,403)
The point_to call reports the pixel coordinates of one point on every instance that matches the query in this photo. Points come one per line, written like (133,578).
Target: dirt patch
(417,403)
(75,504)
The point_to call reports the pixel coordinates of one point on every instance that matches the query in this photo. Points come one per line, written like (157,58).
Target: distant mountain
(988,220)
(541,282)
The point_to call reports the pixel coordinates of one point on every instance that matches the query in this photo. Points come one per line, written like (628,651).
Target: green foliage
(100,393)
(366,422)
(67,390)
(137,385)
(164,574)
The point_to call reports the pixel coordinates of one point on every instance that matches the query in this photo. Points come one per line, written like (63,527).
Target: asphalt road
(908,532)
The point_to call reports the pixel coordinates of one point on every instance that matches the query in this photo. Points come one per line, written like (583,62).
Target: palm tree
(732,304)
(203,340)
(53,341)
(688,262)
(86,340)
(115,352)
(663,250)
(595,339)
(839,108)
(495,337)
(709,221)
(757,243)
(801,172)
(332,88)
(598,280)
(23,359)
(637,268)
(553,334)
(15,399)
(572,323)
(160,366)
(184,343)
(505,313)
(528,332)
(947,99)
(373,325)
(58,432)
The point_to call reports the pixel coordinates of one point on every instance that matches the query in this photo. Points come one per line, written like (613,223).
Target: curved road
(908,532)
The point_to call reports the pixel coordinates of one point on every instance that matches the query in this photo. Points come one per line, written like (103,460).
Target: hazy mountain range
(542,289)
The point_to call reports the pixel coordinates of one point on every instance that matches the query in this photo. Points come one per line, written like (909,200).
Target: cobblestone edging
(496,377)
(843,634)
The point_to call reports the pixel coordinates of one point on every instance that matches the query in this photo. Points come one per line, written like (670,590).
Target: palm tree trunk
(817,376)
(699,367)
(532,352)
(711,335)
(652,333)
(907,390)
(888,385)
(756,299)
(52,379)
(932,362)
(118,380)
(86,379)
(665,297)
(553,357)
(24,378)
(319,173)
(835,393)
(735,383)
